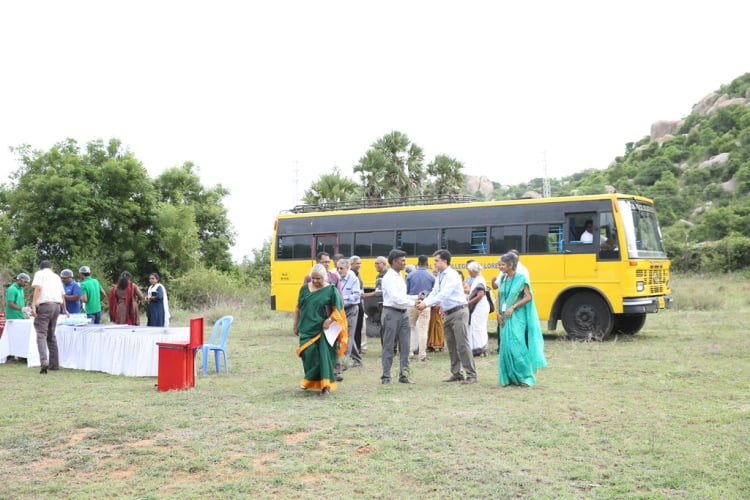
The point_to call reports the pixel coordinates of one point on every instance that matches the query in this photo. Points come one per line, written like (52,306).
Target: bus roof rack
(404,201)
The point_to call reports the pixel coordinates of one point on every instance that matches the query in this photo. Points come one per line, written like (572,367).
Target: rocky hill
(697,171)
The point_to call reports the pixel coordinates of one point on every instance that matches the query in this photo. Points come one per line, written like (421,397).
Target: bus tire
(629,324)
(586,316)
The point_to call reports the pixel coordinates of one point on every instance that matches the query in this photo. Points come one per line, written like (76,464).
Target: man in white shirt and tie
(449,293)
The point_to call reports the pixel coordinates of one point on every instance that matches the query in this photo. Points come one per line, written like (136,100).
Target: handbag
(474,305)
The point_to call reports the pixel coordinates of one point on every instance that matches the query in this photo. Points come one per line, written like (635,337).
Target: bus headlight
(639,286)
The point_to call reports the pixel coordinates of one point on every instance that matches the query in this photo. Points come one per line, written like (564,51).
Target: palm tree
(331,188)
(373,169)
(404,163)
(447,175)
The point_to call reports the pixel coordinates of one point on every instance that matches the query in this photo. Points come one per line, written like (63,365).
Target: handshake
(420,305)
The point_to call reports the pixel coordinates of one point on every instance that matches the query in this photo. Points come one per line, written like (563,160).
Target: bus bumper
(642,305)
(665,302)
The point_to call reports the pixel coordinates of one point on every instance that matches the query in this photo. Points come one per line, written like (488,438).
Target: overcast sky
(266,96)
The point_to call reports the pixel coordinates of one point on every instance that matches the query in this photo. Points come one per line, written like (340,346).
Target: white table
(19,339)
(115,349)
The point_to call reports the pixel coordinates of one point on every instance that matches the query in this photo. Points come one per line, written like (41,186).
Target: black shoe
(43,370)
(385,381)
(405,380)
(338,377)
(454,379)
(470,380)
(326,391)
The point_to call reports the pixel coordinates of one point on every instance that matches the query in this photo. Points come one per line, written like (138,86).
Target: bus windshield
(642,231)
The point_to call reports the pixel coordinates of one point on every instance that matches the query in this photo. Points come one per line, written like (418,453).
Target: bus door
(580,231)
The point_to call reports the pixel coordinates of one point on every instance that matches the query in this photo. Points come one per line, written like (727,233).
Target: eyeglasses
(341,268)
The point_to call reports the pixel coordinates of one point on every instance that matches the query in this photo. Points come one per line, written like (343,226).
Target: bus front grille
(654,278)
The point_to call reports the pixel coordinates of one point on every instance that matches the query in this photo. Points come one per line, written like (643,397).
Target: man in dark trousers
(45,307)
(395,322)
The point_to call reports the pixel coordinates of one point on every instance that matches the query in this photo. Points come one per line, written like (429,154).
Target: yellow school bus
(594,284)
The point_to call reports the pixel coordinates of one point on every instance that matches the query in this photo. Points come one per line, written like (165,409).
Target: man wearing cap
(14,298)
(45,307)
(72,291)
(91,295)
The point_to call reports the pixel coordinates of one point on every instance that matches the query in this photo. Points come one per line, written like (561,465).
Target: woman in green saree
(319,305)
(521,341)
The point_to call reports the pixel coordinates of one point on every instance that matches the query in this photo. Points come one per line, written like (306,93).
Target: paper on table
(332,332)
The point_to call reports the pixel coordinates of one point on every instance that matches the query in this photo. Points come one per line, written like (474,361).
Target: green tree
(447,175)
(392,166)
(258,269)
(176,236)
(182,186)
(372,169)
(71,206)
(49,202)
(99,206)
(743,178)
(405,162)
(331,188)
(125,201)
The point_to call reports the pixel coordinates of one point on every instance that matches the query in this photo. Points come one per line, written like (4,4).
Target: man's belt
(394,309)
(458,308)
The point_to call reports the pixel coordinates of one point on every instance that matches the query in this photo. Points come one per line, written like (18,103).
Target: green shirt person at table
(91,295)
(14,298)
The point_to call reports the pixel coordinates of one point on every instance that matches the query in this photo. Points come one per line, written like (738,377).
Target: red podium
(177,360)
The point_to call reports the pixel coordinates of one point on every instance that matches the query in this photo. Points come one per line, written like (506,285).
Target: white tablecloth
(115,349)
(19,339)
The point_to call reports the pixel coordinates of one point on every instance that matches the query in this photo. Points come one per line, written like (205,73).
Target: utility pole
(295,183)
(546,191)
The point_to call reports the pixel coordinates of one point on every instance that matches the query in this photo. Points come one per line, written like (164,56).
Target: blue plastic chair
(217,343)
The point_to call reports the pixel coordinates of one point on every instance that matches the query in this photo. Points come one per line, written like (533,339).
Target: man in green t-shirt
(91,295)
(14,298)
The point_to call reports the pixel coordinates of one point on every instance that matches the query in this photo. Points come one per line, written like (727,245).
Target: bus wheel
(585,316)
(629,324)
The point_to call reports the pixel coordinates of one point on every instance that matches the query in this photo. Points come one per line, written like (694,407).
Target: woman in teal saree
(319,305)
(521,341)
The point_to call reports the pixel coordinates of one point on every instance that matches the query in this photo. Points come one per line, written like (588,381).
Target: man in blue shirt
(449,293)
(419,281)
(350,297)
(72,291)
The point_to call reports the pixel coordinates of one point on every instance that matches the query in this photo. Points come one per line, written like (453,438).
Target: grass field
(664,413)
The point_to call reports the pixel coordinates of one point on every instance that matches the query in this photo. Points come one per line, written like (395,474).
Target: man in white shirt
(449,293)
(45,308)
(394,320)
(587,236)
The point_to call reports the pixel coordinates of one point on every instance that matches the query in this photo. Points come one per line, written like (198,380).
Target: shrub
(726,255)
(202,288)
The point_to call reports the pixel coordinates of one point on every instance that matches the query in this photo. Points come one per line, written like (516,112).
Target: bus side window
(555,238)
